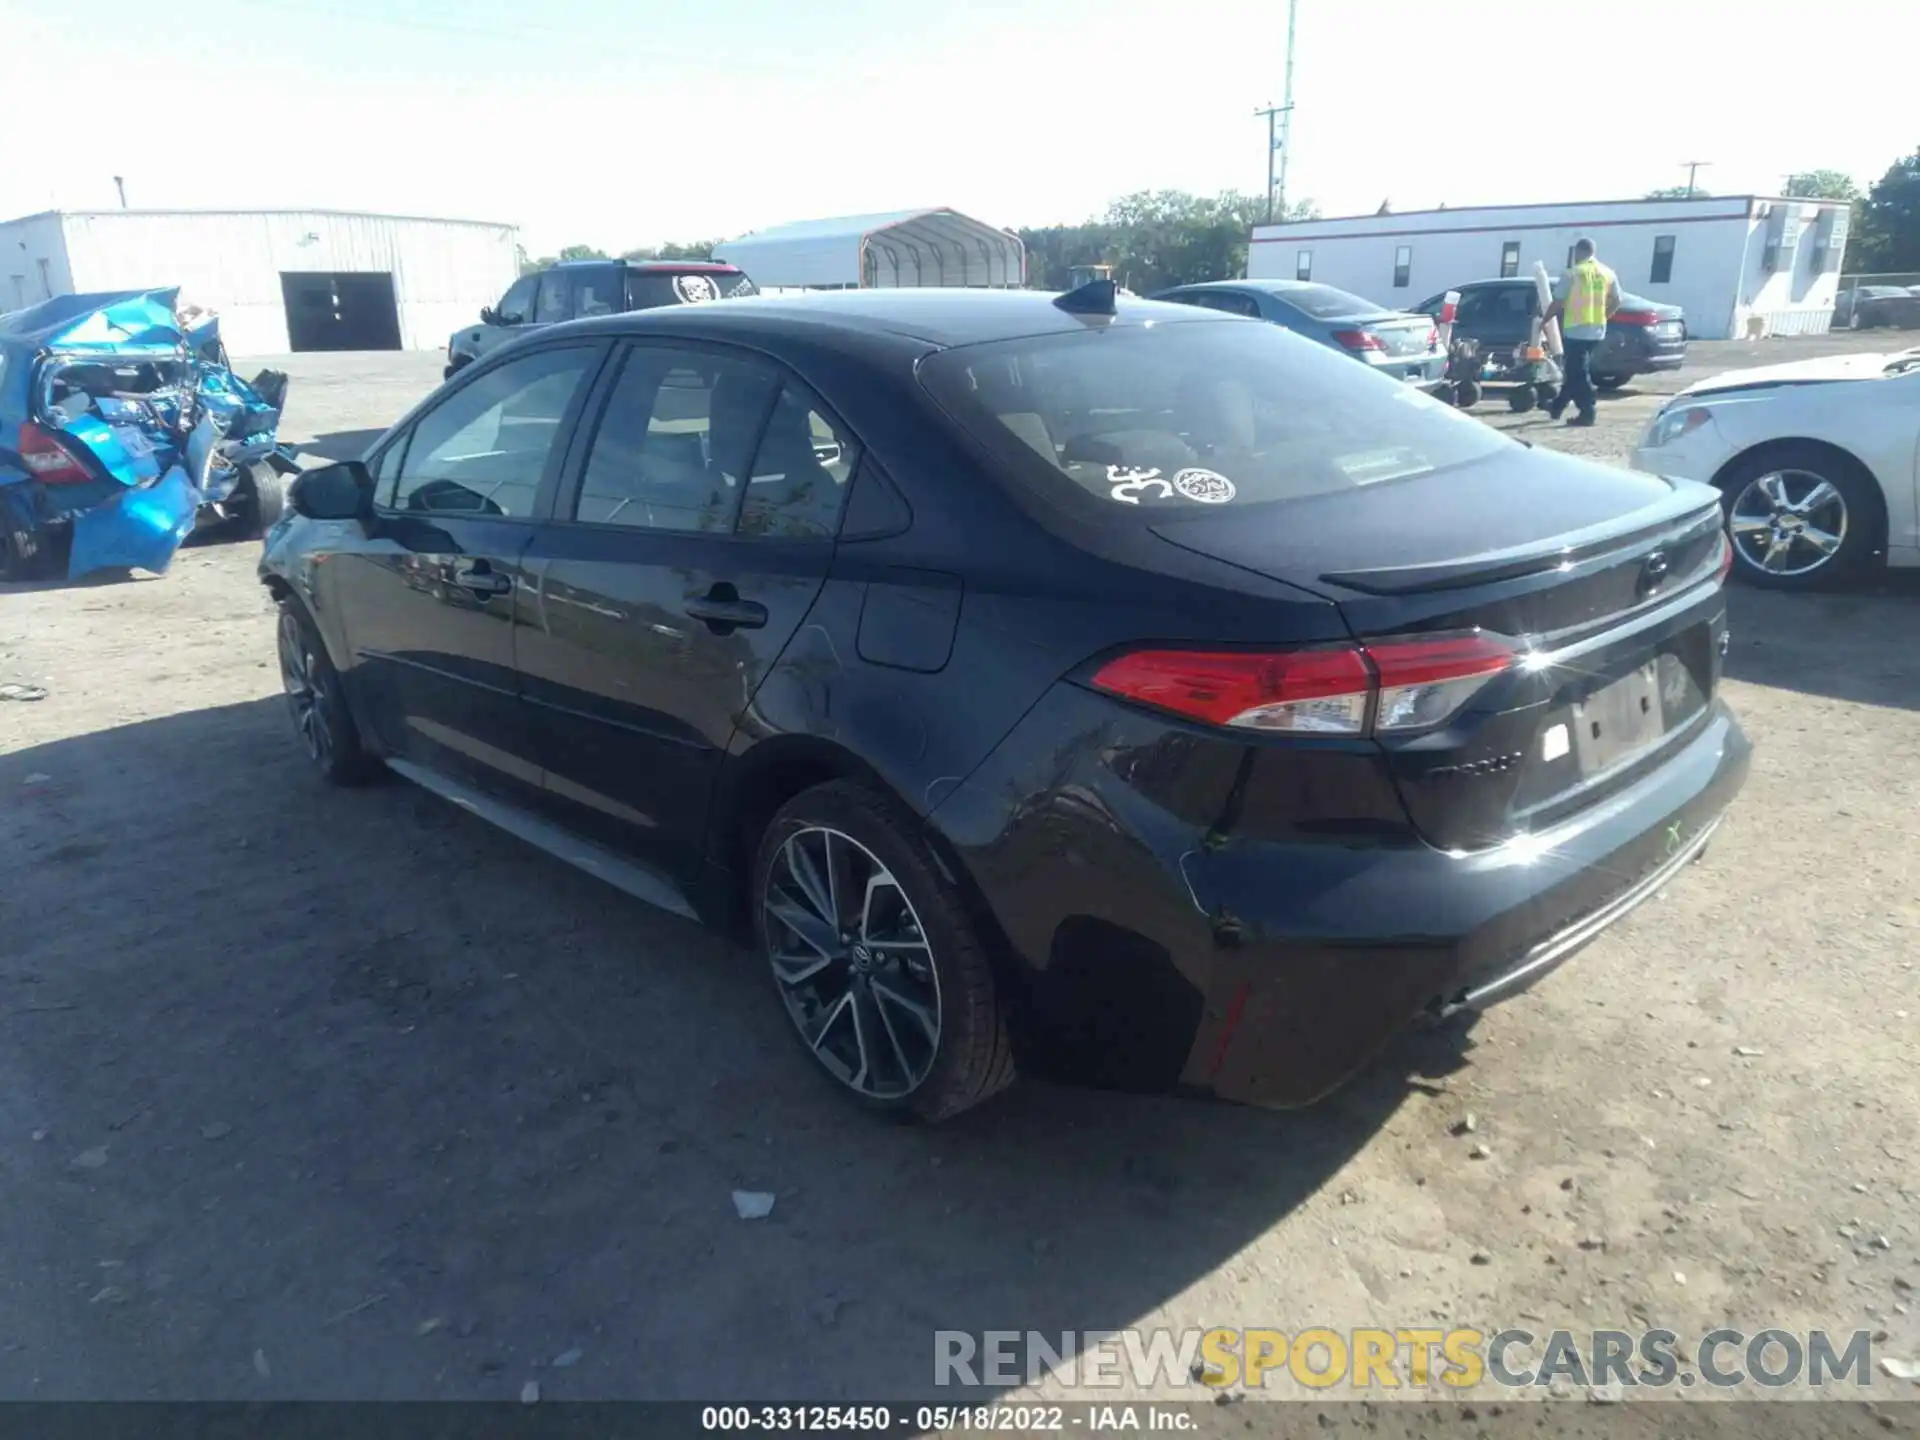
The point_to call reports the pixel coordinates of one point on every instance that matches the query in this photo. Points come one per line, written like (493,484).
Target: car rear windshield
(1126,419)
(1323,302)
(648,288)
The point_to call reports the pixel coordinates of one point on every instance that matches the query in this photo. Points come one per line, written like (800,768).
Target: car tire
(1466,394)
(318,704)
(1610,382)
(897,1001)
(1856,514)
(23,557)
(1521,399)
(265,498)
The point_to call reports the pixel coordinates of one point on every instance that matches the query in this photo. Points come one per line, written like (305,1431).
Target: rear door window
(800,471)
(1324,302)
(676,442)
(1228,302)
(596,291)
(1130,419)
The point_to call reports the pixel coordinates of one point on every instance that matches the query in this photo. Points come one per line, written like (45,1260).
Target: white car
(1818,463)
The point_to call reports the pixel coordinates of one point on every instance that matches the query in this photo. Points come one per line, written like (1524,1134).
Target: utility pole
(1693,168)
(1280,129)
(1273,114)
(1286,108)
(120,184)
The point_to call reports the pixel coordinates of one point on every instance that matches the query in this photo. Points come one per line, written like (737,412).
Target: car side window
(800,472)
(596,291)
(551,308)
(516,306)
(1513,305)
(1229,302)
(1472,309)
(483,450)
(676,441)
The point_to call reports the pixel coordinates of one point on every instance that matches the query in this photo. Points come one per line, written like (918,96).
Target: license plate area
(1618,720)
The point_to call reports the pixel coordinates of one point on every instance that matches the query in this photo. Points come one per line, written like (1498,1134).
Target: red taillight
(46,459)
(1358,340)
(1433,337)
(1634,317)
(1422,682)
(1380,688)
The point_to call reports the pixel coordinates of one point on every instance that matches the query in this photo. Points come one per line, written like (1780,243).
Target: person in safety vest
(1589,294)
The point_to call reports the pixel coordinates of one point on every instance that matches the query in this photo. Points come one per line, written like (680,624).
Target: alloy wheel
(305,683)
(853,963)
(1788,522)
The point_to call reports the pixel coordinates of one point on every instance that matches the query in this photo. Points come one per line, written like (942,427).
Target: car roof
(941,317)
(677,266)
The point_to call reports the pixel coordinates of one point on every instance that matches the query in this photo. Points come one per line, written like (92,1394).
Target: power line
(1693,168)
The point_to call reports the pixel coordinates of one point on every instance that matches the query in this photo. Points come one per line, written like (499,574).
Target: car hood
(1826,370)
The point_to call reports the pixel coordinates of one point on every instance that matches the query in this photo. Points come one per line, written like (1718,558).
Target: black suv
(577,289)
(1644,336)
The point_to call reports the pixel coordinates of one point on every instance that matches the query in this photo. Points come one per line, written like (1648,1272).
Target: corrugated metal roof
(835,227)
(936,246)
(269,210)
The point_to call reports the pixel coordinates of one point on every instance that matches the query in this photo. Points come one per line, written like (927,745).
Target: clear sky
(628,125)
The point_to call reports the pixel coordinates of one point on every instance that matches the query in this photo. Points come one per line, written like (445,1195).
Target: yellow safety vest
(1587,294)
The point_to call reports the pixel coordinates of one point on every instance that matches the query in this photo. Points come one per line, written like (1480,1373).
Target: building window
(1303,265)
(1402,267)
(1509,259)
(1662,260)
(46,280)
(1570,260)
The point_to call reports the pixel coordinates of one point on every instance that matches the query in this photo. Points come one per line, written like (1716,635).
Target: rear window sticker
(695,288)
(1128,482)
(1209,487)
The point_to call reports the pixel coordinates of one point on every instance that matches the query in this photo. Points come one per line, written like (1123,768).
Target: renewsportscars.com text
(1417,1357)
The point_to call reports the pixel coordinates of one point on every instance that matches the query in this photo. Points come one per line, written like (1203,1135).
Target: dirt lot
(306,1093)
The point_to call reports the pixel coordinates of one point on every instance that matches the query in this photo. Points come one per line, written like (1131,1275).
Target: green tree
(673,250)
(584,252)
(1677,192)
(1886,236)
(1822,185)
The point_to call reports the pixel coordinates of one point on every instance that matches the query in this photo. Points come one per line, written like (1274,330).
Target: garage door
(341,310)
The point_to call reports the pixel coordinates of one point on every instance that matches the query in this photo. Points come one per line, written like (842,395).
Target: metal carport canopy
(893,248)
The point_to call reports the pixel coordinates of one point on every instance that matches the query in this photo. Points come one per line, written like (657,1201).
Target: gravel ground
(307,1093)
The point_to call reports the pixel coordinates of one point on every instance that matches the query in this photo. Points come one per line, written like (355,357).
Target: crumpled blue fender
(138,529)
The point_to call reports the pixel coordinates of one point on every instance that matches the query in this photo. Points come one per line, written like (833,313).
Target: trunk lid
(1402,335)
(1604,582)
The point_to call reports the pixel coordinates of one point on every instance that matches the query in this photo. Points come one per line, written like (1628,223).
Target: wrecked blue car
(122,430)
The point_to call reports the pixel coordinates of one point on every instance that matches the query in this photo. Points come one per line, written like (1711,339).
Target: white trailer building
(1725,259)
(280,280)
(895,248)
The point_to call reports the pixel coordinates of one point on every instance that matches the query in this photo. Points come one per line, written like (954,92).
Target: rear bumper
(1425,371)
(1157,954)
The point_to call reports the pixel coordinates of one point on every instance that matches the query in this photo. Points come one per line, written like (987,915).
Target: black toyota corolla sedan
(1120,689)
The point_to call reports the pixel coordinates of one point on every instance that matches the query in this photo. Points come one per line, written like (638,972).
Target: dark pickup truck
(1644,335)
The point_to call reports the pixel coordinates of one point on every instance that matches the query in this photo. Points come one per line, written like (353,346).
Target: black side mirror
(488,315)
(333,492)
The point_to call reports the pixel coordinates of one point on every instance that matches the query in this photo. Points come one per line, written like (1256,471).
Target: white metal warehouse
(893,248)
(1727,260)
(280,280)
